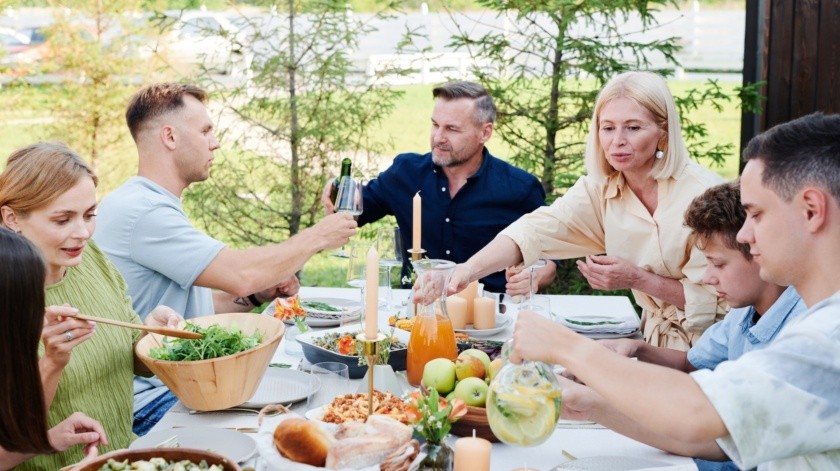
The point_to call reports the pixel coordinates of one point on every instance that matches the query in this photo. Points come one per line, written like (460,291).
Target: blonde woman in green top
(48,195)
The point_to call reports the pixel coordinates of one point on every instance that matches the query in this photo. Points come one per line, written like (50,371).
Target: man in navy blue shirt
(469,196)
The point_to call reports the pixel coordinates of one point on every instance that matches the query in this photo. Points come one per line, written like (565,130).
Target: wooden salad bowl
(221,382)
(476,419)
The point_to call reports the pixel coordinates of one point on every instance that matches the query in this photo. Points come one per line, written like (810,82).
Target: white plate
(502,321)
(351,310)
(611,463)
(282,386)
(231,444)
(316,413)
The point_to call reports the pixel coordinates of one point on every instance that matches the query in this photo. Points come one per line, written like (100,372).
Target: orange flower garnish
(459,409)
(288,308)
(346,345)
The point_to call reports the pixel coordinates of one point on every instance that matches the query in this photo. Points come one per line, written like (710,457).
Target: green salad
(217,342)
(159,464)
(319,306)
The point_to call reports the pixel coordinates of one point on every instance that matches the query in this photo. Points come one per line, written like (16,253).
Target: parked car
(23,48)
(199,37)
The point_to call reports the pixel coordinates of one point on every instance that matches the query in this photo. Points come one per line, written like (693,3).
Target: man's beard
(453,161)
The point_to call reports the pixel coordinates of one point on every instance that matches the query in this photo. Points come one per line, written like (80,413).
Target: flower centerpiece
(431,417)
(290,308)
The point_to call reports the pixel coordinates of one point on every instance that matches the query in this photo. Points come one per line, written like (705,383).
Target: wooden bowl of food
(170,455)
(222,382)
(476,419)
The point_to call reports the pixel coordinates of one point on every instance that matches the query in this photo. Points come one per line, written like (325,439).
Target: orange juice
(431,337)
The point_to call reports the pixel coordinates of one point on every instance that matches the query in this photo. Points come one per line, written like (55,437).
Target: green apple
(439,374)
(469,366)
(451,394)
(473,391)
(495,366)
(480,355)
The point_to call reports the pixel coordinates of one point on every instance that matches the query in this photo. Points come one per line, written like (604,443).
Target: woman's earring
(659,154)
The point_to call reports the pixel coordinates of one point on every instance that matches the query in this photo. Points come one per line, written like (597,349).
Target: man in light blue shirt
(164,259)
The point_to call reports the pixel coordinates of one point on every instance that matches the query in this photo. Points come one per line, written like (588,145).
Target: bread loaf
(302,441)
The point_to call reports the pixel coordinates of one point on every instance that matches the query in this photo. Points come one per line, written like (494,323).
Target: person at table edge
(468,195)
(629,206)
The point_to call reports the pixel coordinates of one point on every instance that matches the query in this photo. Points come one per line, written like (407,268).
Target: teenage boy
(777,407)
(759,308)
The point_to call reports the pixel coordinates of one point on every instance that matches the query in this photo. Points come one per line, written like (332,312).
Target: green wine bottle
(345,172)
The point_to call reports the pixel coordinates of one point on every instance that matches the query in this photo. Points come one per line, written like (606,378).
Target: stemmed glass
(389,247)
(348,200)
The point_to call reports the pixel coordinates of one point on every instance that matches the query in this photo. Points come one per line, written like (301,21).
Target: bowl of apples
(467,379)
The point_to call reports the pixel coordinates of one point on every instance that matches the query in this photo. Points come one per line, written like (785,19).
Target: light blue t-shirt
(736,334)
(781,404)
(144,231)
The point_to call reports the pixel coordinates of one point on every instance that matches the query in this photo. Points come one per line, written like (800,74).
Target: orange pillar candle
(485,313)
(472,454)
(371,294)
(469,295)
(456,306)
(416,223)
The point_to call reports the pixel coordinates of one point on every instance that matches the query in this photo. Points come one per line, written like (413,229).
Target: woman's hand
(533,338)
(609,273)
(78,429)
(62,333)
(164,316)
(518,282)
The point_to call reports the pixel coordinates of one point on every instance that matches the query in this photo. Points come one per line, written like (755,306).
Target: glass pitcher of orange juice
(432,335)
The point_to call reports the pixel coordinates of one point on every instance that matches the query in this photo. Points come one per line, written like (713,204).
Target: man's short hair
(485,109)
(802,152)
(157,99)
(718,211)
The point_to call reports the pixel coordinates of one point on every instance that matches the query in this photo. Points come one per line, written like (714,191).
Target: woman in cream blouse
(630,207)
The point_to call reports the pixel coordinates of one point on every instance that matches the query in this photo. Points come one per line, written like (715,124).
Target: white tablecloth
(580,442)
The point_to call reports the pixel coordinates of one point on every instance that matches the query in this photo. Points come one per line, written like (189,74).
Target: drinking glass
(348,200)
(334,378)
(356,262)
(532,288)
(389,247)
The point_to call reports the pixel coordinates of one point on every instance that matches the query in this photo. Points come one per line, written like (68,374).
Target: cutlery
(568,455)
(237,409)
(235,429)
(168,443)
(148,328)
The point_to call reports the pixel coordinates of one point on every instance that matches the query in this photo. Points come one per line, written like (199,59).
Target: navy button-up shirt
(453,228)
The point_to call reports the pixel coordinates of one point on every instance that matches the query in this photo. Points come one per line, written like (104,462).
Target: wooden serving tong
(148,328)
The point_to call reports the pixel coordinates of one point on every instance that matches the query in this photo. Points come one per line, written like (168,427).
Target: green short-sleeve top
(98,379)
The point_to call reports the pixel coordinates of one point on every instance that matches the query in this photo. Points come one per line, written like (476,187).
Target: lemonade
(523,404)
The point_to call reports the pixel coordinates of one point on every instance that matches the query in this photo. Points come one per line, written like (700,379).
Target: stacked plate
(601,327)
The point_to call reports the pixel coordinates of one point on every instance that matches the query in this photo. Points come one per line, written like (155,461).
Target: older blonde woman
(48,195)
(630,207)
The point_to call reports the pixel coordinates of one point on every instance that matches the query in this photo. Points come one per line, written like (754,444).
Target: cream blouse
(605,217)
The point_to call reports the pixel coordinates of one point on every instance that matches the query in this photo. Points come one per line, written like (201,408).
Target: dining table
(571,440)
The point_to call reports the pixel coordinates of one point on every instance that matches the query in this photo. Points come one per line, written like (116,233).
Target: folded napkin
(600,324)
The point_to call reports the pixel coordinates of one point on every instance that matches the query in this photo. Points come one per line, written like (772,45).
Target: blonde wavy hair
(651,92)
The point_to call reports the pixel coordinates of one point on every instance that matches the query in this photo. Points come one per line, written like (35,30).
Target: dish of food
(216,342)
(324,346)
(138,459)
(324,312)
(234,445)
(502,321)
(158,464)
(354,407)
(283,386)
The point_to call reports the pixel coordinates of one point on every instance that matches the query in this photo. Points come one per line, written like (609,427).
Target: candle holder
(371,351)
(416,254)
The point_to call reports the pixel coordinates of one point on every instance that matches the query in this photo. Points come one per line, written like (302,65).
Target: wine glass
(389,246)
(348,200)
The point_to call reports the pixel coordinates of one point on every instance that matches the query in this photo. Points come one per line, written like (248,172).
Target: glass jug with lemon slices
(523,402)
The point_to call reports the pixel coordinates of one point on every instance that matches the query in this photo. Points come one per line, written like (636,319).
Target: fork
(168,443)
(238,409)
